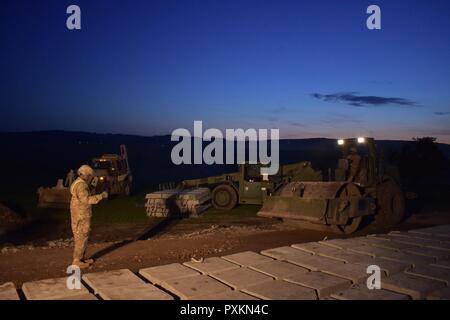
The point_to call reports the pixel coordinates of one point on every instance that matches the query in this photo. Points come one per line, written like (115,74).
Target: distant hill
(32,159)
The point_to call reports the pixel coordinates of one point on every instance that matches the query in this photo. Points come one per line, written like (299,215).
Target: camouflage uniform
(81,213)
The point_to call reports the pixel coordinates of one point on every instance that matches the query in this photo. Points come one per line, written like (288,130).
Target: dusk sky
(309,68)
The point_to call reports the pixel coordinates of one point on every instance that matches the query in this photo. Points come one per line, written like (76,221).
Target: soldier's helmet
(353,150)
(85,170)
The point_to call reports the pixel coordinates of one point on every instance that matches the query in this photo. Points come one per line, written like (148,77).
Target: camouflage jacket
(81,200)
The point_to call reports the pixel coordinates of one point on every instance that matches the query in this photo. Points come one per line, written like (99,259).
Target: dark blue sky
(309,68)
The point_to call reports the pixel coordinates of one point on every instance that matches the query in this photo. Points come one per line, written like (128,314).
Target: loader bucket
(328,203)
(56,197)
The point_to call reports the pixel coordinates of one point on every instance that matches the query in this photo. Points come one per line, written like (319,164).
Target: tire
(224,197)
(352,225)
(391,204)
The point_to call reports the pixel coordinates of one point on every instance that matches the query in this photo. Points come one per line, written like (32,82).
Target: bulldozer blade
(54,198)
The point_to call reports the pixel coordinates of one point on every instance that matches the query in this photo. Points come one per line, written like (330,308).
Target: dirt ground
(168,242)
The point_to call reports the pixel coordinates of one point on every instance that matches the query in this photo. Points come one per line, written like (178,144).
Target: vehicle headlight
(341,142)
(361,140)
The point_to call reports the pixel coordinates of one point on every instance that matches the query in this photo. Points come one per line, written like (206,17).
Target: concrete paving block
(427,241)
(115,278)
(279,269)
(348,257)
(441,264)
(51,289)
(344,243)
(87,296)
(211,265)
(247,258)
(390,254)
(363,293)
(8,292)
(389,267)
(191,287)
(431,272)
(281,290)
(301,258)
(316,248)
(143,291)
(241,278)
(167,272)
(323,283)
(285,253)
(427,236)
(394,245)
(413,286)
(443,231)
(429,252)
(227,295)
(442,294)
(355,273)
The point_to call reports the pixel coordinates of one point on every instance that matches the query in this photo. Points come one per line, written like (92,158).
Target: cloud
(363,101)
(442,113)
(295,124)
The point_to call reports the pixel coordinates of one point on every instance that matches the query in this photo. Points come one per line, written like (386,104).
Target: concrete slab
(189,288)
(389,267)
(443,294)
(279,269)
(363,293)
(413,286)
(285,253)
(431,272)
(8,292)
(427,236)
(241,278)
(144,291)
(116,278)
(316,248)
(227,295)
(211,265)
(281,290)
(344,243)
(247,258)
(441,264)
(353,272)
(429,252)
(431,242)
(51,289)
(323,283)
(390,254)
(301,258)
(167,272)
(348,257)
(87,296)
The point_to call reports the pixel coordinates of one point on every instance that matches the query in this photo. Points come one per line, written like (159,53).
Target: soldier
(355,161)
(81,213)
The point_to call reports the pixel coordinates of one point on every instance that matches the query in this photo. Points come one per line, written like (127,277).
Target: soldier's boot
(90,261)
(80,264)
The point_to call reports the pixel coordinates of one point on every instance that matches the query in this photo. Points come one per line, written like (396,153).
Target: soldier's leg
(81,229)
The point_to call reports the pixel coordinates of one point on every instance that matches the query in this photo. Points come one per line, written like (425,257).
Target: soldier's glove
(104,195)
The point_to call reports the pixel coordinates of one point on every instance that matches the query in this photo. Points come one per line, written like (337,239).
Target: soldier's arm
(84,197)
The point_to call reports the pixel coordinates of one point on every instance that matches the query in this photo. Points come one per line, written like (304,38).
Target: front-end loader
(112,174)
(362,185)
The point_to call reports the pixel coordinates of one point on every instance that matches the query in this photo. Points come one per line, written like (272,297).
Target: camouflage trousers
(81,226)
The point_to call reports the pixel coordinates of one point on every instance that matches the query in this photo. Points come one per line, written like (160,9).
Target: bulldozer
(248,186)
(371,188)
(112,174)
